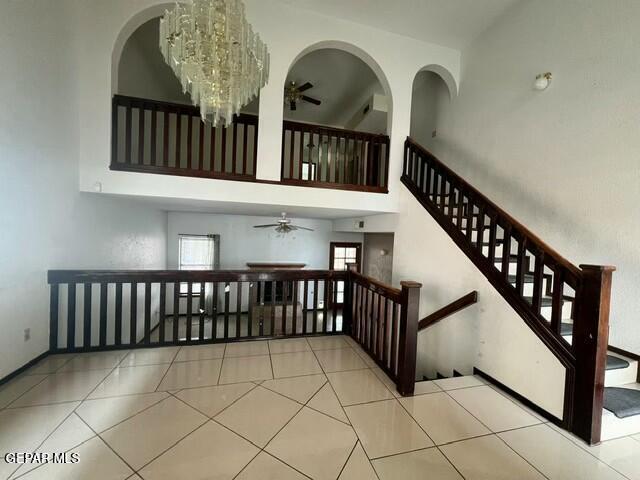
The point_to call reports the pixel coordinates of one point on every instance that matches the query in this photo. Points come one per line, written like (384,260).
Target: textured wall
(375,264)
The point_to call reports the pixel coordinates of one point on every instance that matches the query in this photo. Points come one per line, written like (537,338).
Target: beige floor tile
(325,401)
(266,467)
(366,358)
(623,454)
(454,383)
(314,444)
(201,373)
(17,386)
(71,433)
(247,349)
(339,359)
(259,415)
(103,413)
(246,369)
(423,388)
(23,429)
(97,462)
(295,364)
(418,465)
(492,409)
(148,434)
(555,456)
(488,458)
(62,387)
(358,466)
(93,361)
(289,345)
(385,428)
(149,356)
(327,343)
(300,389)
(358,386)
(211,452)
(200,352)
(442,418)
(130,380)
(384,378)
(212,400)
(50,364)
(614,427)
(636,437)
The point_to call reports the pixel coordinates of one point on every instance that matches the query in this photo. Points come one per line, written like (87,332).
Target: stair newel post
(590,341)
(408,337)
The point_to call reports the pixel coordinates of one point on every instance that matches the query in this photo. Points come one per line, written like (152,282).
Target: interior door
(341,255)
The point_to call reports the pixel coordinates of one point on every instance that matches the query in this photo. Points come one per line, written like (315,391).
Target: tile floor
(284,409)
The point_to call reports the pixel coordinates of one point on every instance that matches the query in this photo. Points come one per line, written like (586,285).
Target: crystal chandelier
(216,56)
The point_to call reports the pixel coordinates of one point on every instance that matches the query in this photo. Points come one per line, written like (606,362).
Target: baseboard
(524,400)
(23,368)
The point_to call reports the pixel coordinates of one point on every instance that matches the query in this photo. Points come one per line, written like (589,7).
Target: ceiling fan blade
(292,106)
(305,87)
(266,226)
(298,227)
(311,100)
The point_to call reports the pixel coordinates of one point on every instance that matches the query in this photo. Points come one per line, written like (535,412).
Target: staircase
(566,306)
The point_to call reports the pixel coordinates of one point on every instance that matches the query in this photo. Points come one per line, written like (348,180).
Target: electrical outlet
(27,334)
(434,134)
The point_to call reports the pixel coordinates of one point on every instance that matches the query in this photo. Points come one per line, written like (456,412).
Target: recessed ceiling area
(451,23)
(341,81)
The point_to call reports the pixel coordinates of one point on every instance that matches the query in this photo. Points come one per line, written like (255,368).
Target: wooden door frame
(332,247)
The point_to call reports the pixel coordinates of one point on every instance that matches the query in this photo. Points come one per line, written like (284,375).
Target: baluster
(178,138)
(54,301)
(153,134)
(200,144)
(114,131)
(285,294)
(385,336)
(273,308)
(227,293)
(325,305)
(315,306)
(189,310)
(469,216)
(212,149)
(295,308)
(147,313)
(189,141)
(238,308)
(176,312)
(223,168)
(481,226)
(165,138)
(493,228)
(394,339)
(367,318)
(292,141)
(202,299)
(133,320)
(127,133)
(118,315)
(141,134)
(162,312)
(304,307)
(87,316)
(234,153)
(334,303)
(520,268)
(557,300)
(506,250)
(301,158)
(245,128)
(71,316)
(255,149)
(104,299)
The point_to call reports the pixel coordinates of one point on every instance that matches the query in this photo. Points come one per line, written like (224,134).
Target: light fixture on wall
(542,81)
(216,56)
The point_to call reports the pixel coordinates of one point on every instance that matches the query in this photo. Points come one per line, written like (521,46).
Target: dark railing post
(408,338)
(590,342)
(347,306)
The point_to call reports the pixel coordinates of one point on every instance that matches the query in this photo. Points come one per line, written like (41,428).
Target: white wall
(241,243)
(398,59)
(374,263)
(428,92)
(45,223)
(563,161)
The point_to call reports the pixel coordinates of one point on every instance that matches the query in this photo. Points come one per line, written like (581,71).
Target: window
(196,252)
(340,256)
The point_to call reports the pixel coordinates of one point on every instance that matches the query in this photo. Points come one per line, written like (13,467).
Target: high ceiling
(452,23)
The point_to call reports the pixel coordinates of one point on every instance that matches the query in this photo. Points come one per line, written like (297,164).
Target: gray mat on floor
(622,402)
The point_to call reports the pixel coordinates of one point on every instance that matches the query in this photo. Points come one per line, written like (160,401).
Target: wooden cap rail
(546,290)
(448,310)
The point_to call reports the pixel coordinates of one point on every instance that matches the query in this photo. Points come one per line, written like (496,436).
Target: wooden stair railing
(448,310)
(565,306)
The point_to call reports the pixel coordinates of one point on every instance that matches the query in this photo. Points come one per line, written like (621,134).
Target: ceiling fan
(294,93)
(284,225)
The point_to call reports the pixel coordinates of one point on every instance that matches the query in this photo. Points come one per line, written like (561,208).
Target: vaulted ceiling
(452,23)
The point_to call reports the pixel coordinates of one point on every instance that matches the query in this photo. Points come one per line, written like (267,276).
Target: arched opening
(336,120)
(157,129)
(430,98)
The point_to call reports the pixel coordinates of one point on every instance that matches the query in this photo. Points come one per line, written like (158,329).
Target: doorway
(341,255)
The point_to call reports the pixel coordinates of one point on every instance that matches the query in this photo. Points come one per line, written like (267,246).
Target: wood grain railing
(385,324)
(565,306)
(448,310)
(318,156)
(94,310)
(149,136)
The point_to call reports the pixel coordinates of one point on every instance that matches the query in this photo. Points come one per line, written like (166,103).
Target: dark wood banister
(585,357)
(448,310)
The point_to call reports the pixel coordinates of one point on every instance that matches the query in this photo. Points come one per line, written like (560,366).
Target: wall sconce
(384,252)
(542,81)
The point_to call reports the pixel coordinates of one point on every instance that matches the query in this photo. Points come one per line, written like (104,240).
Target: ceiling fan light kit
(283,225)
(294,94)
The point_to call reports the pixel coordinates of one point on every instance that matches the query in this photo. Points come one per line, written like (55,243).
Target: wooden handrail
(448,310)
(536,281)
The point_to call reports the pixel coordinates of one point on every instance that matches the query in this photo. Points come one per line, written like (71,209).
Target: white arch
(444,74)
(126,31)
(362,55)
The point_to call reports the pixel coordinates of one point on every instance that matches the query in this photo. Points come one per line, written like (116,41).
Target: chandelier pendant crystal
(215,54)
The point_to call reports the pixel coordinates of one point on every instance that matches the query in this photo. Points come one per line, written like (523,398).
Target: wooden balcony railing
(566,307)
(168,138)
(317,156)
(102,310)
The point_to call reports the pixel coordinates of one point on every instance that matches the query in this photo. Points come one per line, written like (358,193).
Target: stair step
(616,363)
(622,402)
(544,301)
(566,329)
(513,258)
(528,278)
